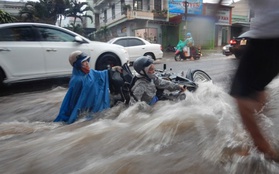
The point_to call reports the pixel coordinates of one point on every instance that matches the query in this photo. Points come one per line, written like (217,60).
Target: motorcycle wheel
(200,76)
(177,57)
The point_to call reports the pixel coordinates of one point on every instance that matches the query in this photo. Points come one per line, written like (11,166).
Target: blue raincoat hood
(86,93)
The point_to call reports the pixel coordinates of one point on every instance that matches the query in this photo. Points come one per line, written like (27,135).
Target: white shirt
(265,24)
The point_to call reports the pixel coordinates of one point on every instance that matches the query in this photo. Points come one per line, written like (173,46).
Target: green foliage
(78,10)
(6,17)
(160,13)
(76,28)
(126,7)
(46,11)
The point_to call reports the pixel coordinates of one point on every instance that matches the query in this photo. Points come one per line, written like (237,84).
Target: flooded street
(200,135)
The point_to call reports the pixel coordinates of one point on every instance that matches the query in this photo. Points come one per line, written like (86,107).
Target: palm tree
(46,11)
(78,10)
(6,17)
(60,6)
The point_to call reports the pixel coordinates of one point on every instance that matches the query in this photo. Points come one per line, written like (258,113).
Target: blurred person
(257,68)
(189,43)
(187,46)
(88,90)
(147,82)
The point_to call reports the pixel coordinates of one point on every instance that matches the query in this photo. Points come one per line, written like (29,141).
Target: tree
(46,11)
(6,17)
(78,10)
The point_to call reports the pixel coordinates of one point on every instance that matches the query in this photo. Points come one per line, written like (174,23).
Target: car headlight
(224,47)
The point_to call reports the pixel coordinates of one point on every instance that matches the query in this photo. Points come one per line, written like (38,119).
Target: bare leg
(247,108)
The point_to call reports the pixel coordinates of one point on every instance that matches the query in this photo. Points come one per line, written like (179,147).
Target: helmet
(140,63)
(78,55)
(189,34)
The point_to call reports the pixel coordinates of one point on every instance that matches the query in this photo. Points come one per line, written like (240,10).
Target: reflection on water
(202,134)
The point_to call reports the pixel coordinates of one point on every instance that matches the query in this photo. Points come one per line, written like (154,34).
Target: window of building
(122,2)
(113,11)
(148,5)
(137,4)
(105,16)
(158,5)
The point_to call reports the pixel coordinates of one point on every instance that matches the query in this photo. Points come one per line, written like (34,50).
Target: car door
(135,48)
(21,55)
(57,46)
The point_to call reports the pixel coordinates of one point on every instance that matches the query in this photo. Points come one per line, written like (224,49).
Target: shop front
(223,24)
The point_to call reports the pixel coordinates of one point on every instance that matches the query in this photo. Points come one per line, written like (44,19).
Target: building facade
(12,7)
(161,21)
(142,18)
(241,16)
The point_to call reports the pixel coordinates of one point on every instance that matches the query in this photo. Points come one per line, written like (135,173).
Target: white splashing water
(202,134)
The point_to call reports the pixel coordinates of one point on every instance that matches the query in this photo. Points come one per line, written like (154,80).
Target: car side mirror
(79,39)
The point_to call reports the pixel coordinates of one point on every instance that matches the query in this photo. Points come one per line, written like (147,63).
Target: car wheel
(107,60)
(150,55)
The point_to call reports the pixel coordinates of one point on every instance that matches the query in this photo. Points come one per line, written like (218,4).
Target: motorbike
(170,48)
(187,53)
(190,82)
(121,83)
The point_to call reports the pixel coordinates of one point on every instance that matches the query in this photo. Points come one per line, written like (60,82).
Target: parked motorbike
(170,48)
(187,53)
(121,83)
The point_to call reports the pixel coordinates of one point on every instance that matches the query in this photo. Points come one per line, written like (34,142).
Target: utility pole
(185,15)
(186,10)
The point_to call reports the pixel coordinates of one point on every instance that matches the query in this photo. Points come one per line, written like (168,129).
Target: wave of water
(202,134)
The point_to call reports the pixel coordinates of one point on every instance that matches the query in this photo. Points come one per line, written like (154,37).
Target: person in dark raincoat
(147,82)
(88,90)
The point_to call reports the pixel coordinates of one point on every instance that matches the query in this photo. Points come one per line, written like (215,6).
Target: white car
(30,51)
(137,47)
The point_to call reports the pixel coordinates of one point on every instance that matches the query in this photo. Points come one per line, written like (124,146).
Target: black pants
(257,67)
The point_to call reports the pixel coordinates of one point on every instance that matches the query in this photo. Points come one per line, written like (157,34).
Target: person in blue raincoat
(88,90)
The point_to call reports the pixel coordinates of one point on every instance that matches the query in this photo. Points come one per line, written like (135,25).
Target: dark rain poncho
(86,93)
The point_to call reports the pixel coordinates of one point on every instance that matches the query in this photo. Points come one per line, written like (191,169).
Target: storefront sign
(223,14)
(177,7)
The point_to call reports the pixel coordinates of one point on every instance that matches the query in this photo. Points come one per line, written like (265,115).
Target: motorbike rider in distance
(147,82)
(189,42)
(186,49)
